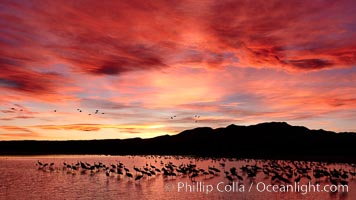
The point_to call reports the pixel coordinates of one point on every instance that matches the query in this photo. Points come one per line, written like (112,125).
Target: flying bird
(196,117)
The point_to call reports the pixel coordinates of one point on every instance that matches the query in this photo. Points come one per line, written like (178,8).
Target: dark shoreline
(275,140)
(327,159)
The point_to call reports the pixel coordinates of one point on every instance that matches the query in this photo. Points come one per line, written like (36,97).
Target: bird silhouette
(138,177)
(192,177)
(128,174)
(297,179)
(196,117)
(229,178)
(344,182)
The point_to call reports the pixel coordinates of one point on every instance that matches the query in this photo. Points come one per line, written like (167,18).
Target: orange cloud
(18,133)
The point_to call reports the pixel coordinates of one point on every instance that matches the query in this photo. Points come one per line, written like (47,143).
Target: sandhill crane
(192,177)
(297,179)
(138,177)
(128,174)
(229,178)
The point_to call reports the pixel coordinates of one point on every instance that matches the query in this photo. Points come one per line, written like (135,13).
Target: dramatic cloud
(295,34)
(28,81)
(113,37)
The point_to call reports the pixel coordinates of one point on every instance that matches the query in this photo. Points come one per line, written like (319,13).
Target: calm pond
(170,177)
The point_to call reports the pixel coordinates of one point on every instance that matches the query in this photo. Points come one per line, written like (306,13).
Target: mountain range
(271,140)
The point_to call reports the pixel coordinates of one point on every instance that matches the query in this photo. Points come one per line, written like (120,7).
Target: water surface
(22,178)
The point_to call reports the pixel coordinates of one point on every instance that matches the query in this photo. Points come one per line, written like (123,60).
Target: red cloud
(295,34)
(108,41)
(113,37)
(25,80)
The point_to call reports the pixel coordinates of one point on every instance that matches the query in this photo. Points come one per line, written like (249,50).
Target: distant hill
(273,140)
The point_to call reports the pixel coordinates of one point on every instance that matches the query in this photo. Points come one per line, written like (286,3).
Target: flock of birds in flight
(79,110)
(277,171)
(195,118)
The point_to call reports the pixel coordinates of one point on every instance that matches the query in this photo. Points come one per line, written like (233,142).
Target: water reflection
(168,177)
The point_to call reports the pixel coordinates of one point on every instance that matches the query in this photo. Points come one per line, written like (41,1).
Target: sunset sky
(143,62)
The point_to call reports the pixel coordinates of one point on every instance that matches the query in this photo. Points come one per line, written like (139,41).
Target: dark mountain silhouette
(274,140)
